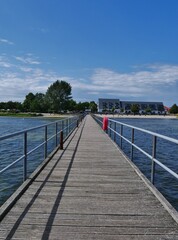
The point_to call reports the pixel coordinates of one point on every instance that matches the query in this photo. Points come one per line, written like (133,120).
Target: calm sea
(166,153)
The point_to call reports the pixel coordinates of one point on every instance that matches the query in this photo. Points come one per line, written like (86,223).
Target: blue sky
(126,49)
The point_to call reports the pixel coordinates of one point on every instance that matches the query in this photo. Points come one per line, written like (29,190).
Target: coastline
(56,115)
(35,115)
(68,115)
(138,116)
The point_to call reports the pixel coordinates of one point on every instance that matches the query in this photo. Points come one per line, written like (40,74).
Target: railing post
(68,123)
(65,126)
(61,140)
(115,132)
(77,123)
(132,139)
(153,162)
(109,128)
(56,134)
(25,157)
(45,145)
(62,125)
(121,133)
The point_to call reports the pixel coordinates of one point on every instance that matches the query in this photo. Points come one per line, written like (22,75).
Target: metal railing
(62,130)
(113,127)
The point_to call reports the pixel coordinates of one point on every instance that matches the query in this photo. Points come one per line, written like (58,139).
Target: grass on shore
(11,114)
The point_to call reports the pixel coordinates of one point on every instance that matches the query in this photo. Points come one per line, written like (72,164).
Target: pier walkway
(89,190)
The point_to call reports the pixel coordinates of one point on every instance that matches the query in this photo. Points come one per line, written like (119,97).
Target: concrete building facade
(116,105)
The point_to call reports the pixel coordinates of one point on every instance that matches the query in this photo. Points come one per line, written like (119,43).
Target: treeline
(174,109)
(57,99)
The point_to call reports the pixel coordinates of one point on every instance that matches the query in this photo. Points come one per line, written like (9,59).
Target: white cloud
(4,62)
(149,83)
(18,78)
(16,85)
(28,60)
(135,81)
(2,40)
(158,75)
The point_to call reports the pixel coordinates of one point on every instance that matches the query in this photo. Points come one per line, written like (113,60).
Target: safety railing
(116,129)
(62,130)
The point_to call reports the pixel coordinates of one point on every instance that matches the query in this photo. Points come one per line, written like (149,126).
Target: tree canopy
(57,96)
(29,98)
(135,108)
(93,107)
(174,109)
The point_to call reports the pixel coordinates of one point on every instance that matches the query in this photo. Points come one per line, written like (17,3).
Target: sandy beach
(138,116)
(54,115)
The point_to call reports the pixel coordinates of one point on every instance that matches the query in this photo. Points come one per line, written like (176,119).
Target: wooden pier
(90,190)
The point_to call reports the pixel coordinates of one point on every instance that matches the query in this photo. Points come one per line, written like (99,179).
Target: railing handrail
(147,131)
(131,142)
(75,118)
(30,129)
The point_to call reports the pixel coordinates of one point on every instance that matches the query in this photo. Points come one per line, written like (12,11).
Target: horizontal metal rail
(36,148)
(12,164)
(133,145)
(71,124)
(26,130)
(147,131)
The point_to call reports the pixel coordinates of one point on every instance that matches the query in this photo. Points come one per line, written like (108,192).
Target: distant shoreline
(56,115)
(138,116)
(35,115)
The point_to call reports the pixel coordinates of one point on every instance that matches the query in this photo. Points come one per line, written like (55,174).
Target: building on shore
(115,105)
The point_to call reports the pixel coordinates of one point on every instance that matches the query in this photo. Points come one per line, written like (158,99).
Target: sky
(124,49)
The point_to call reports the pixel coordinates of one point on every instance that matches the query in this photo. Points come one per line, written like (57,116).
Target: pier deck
(88,191)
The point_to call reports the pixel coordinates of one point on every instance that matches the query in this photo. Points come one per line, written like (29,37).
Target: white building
(108,105)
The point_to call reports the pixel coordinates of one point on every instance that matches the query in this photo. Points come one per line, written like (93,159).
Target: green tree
(148,110)
(57,95)
(27,104)
(71,105)
(135,108)
(38,103)
(81,106)
(93,107)
(113,110)
(12,106)
(121,110)
(18,106)
(174,109)
(2,105)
